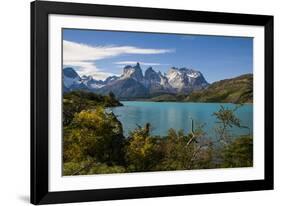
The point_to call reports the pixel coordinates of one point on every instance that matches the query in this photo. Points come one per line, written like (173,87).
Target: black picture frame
(39,101)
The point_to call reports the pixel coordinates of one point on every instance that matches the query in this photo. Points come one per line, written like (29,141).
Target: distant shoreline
(147,100)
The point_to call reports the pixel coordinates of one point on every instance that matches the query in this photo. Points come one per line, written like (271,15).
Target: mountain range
(133,83)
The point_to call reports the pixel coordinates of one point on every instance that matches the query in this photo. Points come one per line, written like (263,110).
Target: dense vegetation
(94,142)
(76,101)
(235,90)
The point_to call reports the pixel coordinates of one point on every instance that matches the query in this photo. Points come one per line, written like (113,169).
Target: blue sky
(105,53)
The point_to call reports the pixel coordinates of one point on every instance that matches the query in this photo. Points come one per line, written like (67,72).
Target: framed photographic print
(133,102)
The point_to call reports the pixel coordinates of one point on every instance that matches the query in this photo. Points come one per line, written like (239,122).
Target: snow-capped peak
(70,77)
(185,79)
(134,72)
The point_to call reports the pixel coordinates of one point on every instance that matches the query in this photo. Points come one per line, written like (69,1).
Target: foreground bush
(239,153)
(94,134)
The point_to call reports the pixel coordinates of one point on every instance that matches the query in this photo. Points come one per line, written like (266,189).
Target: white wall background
(14,102)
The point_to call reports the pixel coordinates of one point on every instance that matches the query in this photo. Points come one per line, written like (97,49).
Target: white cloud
(83,56)
(88,68)
(142,63)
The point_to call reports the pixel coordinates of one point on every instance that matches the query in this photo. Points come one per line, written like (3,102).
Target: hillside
(235,90)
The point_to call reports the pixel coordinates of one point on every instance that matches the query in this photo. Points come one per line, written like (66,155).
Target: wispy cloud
(83,56)
(142,63)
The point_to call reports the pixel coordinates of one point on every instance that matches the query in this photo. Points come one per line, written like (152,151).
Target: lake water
(178,115)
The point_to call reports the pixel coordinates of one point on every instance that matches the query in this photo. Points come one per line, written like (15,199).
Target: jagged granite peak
(176,78)
(92,83)
(151,75)
(87,78)
(72,81)
(70,77)
(156,82)
(134,72)
(111,79)
(186,80)
(70,72)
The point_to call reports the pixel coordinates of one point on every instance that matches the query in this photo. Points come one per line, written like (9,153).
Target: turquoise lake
(178,115)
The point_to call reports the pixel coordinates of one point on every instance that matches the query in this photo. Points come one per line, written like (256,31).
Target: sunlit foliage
(94,142)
